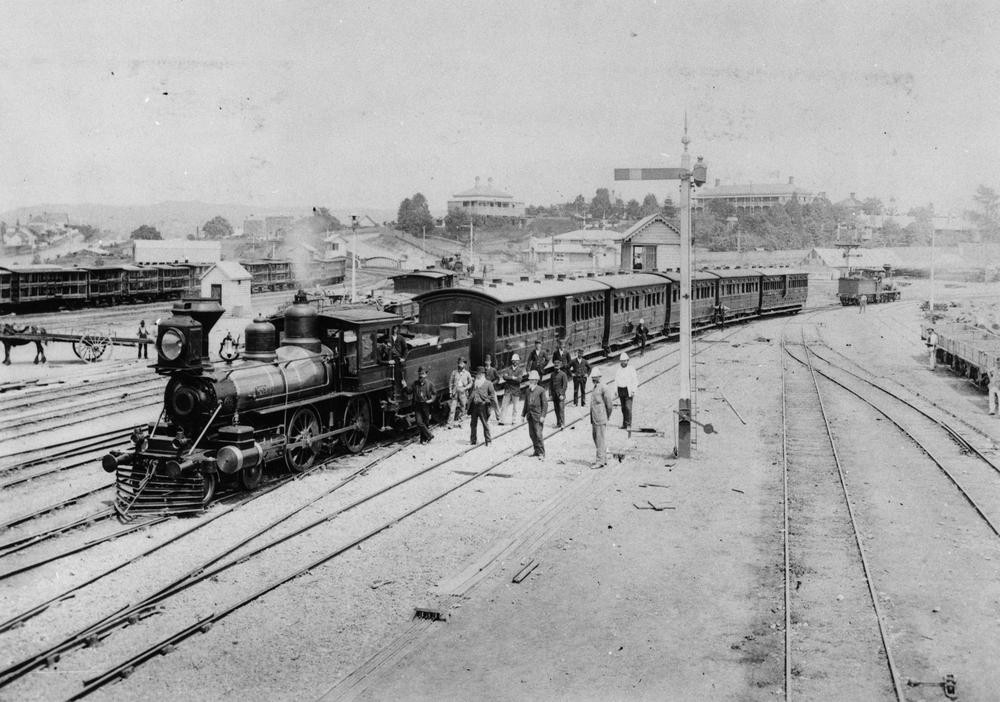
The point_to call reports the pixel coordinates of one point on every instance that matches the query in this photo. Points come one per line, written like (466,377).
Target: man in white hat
(510,377)
(627,382)
(601,402)
(535,407)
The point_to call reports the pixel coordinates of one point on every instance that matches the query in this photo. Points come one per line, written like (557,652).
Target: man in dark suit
(558,384)
(535,407)
(424,395)
(561,354)
(537,359)
(579,368)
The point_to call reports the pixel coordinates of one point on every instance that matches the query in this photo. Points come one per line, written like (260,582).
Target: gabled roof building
(487,201)
(752,197)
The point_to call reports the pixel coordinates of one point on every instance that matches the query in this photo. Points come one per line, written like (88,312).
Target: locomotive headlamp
(172,344)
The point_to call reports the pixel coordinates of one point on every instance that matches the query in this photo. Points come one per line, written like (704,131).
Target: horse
(9,333)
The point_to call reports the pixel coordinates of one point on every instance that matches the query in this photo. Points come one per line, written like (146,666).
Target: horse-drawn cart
(89,346)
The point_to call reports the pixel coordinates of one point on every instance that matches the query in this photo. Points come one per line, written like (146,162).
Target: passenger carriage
(105,284)
(141,282)
(47,285)
(174,281)
(738,294)
(5,278)
(704,286)
(507,319)
(634,296)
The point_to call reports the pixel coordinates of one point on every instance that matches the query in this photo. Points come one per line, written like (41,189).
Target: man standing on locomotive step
(601,403)
(580,370)
(459,384)
(143,333)
(482,399)
(397,353)
(558,384)
(627,382)
(535,407)
(994,387)
(511,377)
(932,342)
(537,359)
(424,394)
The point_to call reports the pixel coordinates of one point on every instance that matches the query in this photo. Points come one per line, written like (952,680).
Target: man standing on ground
(641,334)
(482,399)
(601,402)
(932,342)
(511,377)
(560,353)
(424,394)
(627,382)
(143,333)
(537,359)
(535,407)
(492,375)
(580,370)
(862,304)
(459,384)
(558,384)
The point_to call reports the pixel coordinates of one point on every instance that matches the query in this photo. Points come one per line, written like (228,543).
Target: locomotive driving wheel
(208,485)
(357,415)
(302,428)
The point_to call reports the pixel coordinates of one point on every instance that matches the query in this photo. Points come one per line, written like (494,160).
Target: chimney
(791,180)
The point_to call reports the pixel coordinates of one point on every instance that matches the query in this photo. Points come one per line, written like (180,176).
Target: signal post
(687,176)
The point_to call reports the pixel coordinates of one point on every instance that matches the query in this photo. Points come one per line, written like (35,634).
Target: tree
(217,228)
(987,213)
(579,204)
(146,232)
(326,220)
(600,206)
(633,210)
(649,205)
(668,209)
(456,221)
(414,215)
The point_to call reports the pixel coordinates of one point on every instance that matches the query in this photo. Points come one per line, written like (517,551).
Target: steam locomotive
(306,384)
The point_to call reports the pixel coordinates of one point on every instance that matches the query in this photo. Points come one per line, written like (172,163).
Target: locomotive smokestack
(204,310)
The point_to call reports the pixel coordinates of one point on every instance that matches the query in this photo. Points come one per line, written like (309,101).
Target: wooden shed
(651,244)
(418,281)
(229,283)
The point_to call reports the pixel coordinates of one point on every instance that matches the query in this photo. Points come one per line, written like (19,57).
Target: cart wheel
(91,347)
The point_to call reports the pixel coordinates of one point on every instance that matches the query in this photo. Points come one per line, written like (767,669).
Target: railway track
(214,567)
(964,470)
(821,535)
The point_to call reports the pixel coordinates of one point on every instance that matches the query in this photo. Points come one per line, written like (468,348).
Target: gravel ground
(683,603)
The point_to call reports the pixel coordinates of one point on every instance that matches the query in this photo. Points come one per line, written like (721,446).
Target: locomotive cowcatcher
(306,385)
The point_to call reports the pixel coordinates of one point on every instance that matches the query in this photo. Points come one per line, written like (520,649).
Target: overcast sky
(354,103)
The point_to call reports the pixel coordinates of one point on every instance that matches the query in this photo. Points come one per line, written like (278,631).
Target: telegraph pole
(471,251)
(688,176)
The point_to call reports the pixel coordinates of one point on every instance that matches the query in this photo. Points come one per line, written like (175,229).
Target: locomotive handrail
(203,431)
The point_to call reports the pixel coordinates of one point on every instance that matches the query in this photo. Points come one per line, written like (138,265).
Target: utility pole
(354,260)
(471,250)
(552,263)
(932,270)
(688,176)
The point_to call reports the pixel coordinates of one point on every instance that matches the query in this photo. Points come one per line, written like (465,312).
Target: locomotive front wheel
(302,427)
(208,484)
(358,415)
(250,477)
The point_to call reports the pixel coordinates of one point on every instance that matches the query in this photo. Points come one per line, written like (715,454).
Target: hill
(175,220)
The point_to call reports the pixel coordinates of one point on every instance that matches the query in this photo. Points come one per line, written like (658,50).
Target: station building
(752,197)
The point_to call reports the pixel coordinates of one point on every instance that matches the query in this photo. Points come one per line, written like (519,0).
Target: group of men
(475,394)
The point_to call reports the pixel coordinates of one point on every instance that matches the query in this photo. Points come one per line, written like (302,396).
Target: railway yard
(837,537)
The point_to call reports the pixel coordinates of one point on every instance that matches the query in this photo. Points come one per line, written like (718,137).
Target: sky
(365,103)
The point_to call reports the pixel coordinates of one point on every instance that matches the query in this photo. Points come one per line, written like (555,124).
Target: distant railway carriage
(418,281)
(105,284)
(45,284)
(738,294)
(174,281)
(782,290)
(5,278)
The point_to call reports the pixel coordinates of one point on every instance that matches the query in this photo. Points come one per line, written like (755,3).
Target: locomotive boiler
(305,385)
